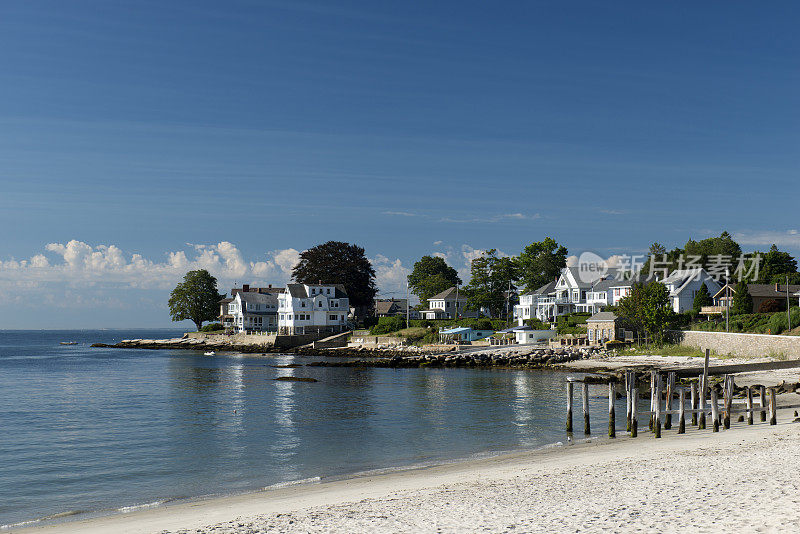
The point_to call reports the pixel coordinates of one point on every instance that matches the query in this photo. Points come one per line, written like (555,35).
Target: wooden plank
(714,410)
(586,428)
(682,412)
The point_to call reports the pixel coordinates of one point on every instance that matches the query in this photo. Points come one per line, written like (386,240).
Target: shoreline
(386,491)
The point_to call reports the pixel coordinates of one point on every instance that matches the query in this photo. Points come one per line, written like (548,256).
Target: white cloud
(400,213)
(504,217)
(79,265)
(788,238)
(390,276)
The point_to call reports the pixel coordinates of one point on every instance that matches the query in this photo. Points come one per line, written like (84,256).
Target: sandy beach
(740,480)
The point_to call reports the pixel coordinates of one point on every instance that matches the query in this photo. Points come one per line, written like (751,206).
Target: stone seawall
(220,342)
(745,345)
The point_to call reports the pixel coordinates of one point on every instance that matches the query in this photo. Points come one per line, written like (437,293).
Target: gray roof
(549,287)
(449,293)
(259,298)
(602,317)
(299,290)
(608,283)
(771,290)
(384,306)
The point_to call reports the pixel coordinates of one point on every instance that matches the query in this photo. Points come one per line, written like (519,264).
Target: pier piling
(657,399)
(586,428)
(569,405)
(612,424)
(694,404)
(668,404)
(682,411)
(773,408)
(763,401)
(749,405)
(634,402)
(714,410)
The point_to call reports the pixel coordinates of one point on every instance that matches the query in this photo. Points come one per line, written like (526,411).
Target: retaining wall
(747,345)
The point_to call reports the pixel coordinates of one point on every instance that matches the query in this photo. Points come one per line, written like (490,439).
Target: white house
(448,304)
(683,286)
(527,307)
(304,308)
(526,335)
(251,309)
(609,291)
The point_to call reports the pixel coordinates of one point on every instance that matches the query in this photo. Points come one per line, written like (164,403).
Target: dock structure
(703,402)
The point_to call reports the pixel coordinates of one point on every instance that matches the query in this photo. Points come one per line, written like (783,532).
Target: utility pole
(727,300)
(508,302)
(457,314)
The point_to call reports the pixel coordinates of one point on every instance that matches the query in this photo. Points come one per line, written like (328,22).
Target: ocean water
(87,431)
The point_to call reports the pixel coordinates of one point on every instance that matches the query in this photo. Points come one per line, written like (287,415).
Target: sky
(139,140)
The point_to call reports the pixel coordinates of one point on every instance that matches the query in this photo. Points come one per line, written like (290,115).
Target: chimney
(269,286)
(245,287)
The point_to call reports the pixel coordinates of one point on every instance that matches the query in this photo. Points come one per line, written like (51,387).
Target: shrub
(536,324)
(212,327)
(369,322)
(388,324)
(771,306)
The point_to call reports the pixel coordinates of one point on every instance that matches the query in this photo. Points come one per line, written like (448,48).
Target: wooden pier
(703,401)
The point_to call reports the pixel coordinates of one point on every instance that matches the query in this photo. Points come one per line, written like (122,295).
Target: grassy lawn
(664,350)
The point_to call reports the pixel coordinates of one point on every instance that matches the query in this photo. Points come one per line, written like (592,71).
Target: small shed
(462,334)
(526,335)
(602,327)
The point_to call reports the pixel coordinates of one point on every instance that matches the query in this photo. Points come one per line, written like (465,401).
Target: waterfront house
(251,309)
(394,307)
(602,327)
(683,285)
(313,308)
(528,303)
(448,304)
(774,294)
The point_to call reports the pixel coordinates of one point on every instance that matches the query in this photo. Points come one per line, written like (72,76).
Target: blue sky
(239,133)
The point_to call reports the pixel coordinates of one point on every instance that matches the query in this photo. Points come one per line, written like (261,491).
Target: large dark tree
(541,262)
(742,302)
(776,265)
(702,298)
(647,308)
(431,275)
(195,299)
(490,280)
(336,262)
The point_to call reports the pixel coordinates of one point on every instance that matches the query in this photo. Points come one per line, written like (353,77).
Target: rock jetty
(186,343)
(521,358)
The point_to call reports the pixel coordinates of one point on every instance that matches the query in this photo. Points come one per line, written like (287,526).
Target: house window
(332,317)
(303,304)
(320,304)
(328,291)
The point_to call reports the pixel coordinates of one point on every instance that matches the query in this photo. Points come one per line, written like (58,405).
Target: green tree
(702,298)
(647,308)
(541,262)
(336,262)
(724,245)
(431,275)
(195,299)
(490,280)
(776,265)
(742,302)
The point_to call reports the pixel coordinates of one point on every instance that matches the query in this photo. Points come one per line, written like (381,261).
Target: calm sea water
(107,430)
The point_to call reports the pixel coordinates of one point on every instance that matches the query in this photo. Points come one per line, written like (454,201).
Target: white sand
(741,480)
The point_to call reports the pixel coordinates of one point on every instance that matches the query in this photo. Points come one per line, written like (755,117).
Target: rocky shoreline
(186,343)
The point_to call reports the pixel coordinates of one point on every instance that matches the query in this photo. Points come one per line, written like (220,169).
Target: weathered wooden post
(763,393)
(586,429)
(634,401)
(657,397)
(728,400)
(701,419)
(668,404)
(749,405)
(612,423)
(773,407)
(652,399)
(682,411)
(569,404)
(694,404)
(714,410)
(628,399)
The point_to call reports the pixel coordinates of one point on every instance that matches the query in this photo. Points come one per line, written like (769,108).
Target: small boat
(69,343)
(209,353)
